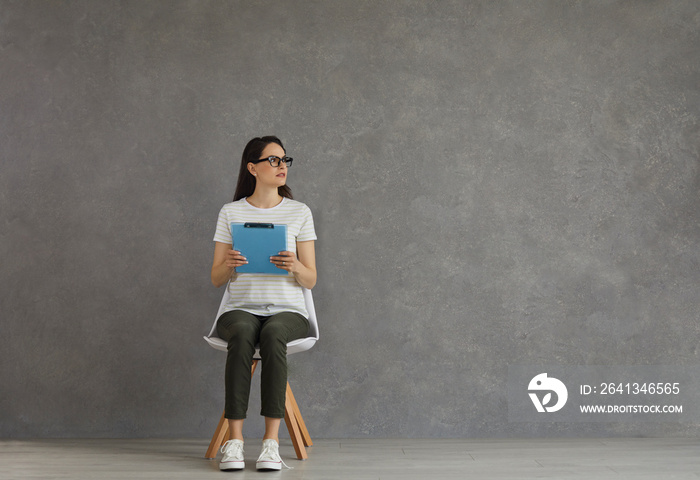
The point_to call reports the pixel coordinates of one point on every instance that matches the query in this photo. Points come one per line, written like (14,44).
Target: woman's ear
(251,168)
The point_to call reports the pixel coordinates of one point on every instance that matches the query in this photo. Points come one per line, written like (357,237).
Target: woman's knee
(285,327)
(240,334)
(239,326)
(273,336)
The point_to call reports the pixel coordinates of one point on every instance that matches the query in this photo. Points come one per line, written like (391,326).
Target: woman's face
(266,173)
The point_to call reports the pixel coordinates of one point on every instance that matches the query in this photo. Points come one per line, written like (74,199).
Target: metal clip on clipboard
(258,225)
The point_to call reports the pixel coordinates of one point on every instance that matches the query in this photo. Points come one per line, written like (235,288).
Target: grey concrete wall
(493,184)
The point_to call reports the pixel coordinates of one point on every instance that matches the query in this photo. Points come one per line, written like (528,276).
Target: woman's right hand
(223,268)
(235,259)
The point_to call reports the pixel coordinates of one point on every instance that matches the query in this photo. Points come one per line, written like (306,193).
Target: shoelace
(237,446)
(272,453)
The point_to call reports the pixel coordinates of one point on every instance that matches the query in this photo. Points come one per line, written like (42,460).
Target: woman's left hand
(286,261)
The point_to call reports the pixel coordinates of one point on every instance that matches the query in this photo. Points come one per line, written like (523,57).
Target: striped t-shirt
(267,294)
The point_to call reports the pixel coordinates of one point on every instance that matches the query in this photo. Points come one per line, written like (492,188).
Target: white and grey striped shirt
(267,294)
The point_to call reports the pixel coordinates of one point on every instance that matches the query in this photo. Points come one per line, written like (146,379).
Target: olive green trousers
(244,331)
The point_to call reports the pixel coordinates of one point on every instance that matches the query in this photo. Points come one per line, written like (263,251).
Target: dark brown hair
(246,181)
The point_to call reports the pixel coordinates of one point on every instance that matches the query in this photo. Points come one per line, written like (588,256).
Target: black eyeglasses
(275,161)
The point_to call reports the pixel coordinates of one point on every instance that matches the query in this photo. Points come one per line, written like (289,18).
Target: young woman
(268,310)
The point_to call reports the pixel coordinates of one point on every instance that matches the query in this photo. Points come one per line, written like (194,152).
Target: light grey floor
(669,458)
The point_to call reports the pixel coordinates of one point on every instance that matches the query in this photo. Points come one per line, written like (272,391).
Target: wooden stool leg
(300,421)
(290,418)
(221,434)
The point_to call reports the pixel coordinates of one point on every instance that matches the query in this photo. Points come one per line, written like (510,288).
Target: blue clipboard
(257,242)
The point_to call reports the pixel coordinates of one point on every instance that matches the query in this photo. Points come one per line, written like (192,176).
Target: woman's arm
(225,262)
(302,265)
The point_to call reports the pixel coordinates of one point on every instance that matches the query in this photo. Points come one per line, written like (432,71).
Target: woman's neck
(266,198)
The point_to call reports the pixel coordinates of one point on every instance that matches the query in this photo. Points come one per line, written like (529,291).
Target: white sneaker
(269,458)
(233,456)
